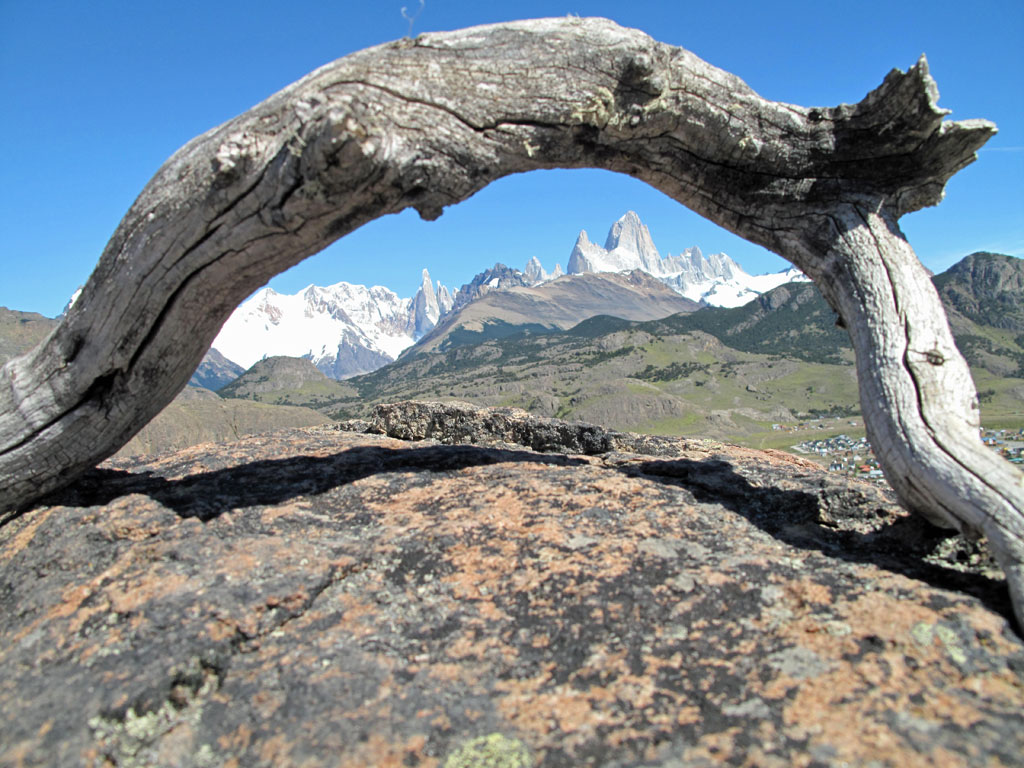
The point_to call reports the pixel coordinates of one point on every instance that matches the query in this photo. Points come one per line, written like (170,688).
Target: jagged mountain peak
(716,279)
(536,274)
(498,277)
(534,270)
(631,235)
(628,246)
(627,226)
(425,309)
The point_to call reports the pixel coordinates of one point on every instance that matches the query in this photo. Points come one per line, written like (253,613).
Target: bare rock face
(546,595)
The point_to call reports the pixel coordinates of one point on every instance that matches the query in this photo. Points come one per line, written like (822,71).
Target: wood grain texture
(425,123)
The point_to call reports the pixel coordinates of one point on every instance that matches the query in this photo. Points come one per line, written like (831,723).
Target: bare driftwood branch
(427,123)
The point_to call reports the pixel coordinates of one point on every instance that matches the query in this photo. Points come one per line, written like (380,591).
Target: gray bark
(428,122)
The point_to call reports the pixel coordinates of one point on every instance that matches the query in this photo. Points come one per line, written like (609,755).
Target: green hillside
(791,320)
(726,373)
(642,378)
(283,380)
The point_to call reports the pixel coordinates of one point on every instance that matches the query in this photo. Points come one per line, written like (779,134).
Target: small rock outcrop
(986,288)
(496,278)
(495,589)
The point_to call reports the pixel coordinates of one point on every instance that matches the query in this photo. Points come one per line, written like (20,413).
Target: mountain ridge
(713,368)
(555,304)
(727,373)
(348,329)
(986,288)
(713,280)
(344,329)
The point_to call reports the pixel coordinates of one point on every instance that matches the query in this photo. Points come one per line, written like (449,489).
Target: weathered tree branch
(427,123)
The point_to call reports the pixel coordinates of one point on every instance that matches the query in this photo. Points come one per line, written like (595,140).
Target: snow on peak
(71,301)
(535,273)
(630,236)
(344,329)
(587,256)
(425,308)
(714,279)
(347,329)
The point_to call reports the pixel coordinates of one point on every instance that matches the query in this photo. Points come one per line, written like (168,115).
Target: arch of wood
(428,122)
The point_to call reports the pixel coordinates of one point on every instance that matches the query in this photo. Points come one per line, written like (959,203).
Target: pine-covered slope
(791,320)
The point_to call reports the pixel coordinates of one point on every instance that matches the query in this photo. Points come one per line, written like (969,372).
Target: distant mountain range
(714,280)
(343,329)
(346,330)
(559,304)
(619,349)
(722,372)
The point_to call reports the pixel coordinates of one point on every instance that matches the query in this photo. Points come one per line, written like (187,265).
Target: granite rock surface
(495,590)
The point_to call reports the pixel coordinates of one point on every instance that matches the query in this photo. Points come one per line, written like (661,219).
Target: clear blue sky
(96,95)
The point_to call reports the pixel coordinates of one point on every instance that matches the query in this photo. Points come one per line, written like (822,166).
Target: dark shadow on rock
(209,494)
(793,516)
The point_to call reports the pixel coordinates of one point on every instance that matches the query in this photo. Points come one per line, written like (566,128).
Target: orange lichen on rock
(320,598)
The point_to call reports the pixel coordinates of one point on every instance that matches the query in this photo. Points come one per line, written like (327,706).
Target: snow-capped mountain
(428,305)
(349,329)
(714,279)
(535,273)
(343,329)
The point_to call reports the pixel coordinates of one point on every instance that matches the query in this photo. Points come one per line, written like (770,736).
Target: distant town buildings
(854,457)
(851,456)
(1006,442)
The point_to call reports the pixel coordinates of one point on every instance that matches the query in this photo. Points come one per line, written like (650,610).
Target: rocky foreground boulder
(459,587)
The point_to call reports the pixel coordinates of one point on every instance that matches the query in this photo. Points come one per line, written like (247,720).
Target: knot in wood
(638,68)
(934,357)
(638,73)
